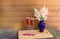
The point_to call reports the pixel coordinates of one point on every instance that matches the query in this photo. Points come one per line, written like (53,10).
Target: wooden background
(13,12)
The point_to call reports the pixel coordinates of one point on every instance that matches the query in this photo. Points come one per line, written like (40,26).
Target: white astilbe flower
(43,12)
(36,14)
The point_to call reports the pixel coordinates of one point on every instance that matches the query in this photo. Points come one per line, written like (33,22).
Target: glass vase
(41,25)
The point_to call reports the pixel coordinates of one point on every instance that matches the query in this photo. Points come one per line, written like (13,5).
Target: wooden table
(34,34)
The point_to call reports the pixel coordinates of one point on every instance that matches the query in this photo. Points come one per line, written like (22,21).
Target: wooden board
(34,34)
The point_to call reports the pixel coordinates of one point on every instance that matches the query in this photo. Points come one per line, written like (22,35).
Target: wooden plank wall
(13,12)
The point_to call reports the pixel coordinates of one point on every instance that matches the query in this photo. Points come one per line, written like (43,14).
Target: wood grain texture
(15,11)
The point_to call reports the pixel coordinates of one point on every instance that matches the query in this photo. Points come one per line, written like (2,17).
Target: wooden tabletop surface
(34,34)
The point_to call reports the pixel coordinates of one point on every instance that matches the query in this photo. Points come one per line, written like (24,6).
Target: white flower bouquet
(41,14)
